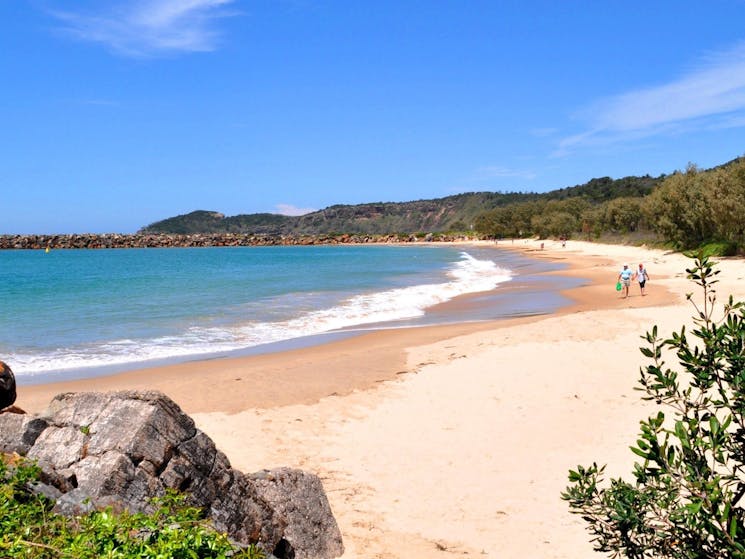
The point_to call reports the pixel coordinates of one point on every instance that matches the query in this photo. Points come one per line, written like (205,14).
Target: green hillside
(452,213)
(685,209)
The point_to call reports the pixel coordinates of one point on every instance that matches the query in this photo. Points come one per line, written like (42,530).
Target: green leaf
(682,434)
(639,452)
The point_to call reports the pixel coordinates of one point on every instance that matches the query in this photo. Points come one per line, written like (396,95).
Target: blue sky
(117,114)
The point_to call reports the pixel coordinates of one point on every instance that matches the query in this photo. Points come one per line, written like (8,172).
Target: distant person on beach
(625,278)
(641,276)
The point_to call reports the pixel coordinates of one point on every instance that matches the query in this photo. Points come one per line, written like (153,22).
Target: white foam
(469,275)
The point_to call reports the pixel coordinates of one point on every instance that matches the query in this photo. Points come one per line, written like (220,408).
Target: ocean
(79,313)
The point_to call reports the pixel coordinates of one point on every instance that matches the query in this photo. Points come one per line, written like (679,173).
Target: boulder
(120,449)
(299,498)
(7,386)
(18,433)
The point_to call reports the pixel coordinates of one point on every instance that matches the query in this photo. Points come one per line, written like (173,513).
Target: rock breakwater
(115,240)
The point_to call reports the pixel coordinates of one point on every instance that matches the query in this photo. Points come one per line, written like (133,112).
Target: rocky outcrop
(121,449)
(144,240)
(18,432)
(299,498)
(7,386)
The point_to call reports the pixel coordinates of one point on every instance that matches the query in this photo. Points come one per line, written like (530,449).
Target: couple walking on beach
(627,274)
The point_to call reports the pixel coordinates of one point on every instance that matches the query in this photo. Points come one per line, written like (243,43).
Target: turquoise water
(79,312)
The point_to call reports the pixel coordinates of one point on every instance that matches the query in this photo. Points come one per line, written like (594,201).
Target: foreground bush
(28,528)
(686,498)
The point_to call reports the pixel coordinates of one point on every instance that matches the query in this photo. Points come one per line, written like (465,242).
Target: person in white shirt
(641,276)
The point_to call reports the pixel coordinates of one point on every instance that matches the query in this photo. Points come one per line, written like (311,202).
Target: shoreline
(248,315)
(437,441)
(291,375)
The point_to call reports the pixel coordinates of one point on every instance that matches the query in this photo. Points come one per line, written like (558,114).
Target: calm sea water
(74,313)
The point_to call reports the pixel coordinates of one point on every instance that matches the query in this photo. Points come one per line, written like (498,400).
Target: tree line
(687,209)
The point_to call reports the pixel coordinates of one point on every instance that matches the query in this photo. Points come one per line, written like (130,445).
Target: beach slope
(449,441)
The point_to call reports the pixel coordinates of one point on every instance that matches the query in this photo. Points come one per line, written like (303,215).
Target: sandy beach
(452,440)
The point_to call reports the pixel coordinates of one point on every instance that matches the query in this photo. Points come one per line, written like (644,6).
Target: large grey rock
(7,386)
(19,432)
(300,499)
(121,449)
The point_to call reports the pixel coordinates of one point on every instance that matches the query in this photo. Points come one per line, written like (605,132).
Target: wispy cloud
(149,27)
(543,132)
(289,209)
(712,95)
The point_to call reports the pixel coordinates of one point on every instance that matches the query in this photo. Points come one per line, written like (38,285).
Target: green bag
(618,286)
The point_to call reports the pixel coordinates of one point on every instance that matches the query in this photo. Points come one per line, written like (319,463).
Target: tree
(623,214)
(574,206)
(513,220)
(678,209)
(686,498)
(725,197)
(592,221)
(555,224)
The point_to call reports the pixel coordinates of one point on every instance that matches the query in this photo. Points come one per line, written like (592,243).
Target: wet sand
(303,376)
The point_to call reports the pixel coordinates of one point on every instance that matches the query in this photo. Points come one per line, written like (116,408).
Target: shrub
(686,497)
(719,248)
(29,529)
